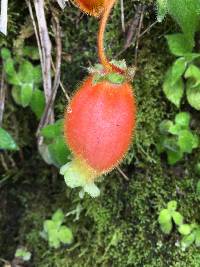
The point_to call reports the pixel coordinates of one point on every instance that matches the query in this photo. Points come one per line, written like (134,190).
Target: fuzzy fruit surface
(91,7)
(99,123)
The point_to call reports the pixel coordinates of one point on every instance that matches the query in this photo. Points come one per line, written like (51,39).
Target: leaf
(164,126)
(177,217)
(16,94)
(164,216)
(178,68)
(9,67)
(194,73)
(172,205)
(179,44)
(186,141)
(6,141)
(37,75)
(26,71)
(191,56)
(187,240)
(183,119)
(197,237)
(161,10)
(26,94)
(53,238)
(175,129)
(166,228)
(59,151)
(173,91)
(174,156)
(193,95)
(37,102)
(186,14)
(58,217)
(53,130)
(65,235)
(49,225)
(5,53)
(184,229)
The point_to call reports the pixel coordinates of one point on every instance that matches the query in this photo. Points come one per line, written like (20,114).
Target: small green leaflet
(6,141)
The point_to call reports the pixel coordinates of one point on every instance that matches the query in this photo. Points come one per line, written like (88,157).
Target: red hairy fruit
(99,124)
(91,7)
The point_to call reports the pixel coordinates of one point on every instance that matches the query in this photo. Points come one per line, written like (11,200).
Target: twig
(36,33)
(131,34)
(2,96)
(148,28)
(138,34)
(122,15)
(4,17)
(123,174)
(49,106)
(61,84)
(46,52)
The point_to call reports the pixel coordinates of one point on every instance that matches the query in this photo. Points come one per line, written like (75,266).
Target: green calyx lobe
(100,75)
(112,77)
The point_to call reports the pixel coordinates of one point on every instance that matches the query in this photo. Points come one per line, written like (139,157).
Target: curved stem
(102,56)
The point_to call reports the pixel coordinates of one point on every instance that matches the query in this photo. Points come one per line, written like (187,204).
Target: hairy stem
(102,56)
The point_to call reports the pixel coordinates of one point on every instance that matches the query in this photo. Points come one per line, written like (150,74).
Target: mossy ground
(120,227)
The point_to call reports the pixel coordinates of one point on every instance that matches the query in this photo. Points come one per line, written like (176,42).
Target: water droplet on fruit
(69,110)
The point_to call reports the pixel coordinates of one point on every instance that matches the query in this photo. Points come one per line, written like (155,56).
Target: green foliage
(190,232)
(176,138)
(25,80)
(23,254)
(54,150)
(187,15)
(6,141)
(55,233)
(184,12)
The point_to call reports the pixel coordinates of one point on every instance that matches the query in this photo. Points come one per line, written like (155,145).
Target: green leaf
(161,10)
(65,235)
(166,228)
(37,102)
(16,94)
(184,229)
(193,95)
(178,68)
(183,119)
(174,156)
(194,73)
(6,141)
(53,238)
(58,217)
(26,94)
(5,53)
(177,217)
(179,44)
(53,130)
(164,216)
(187,141)
(186,14)
(197,237)
(173,91)
(9,67)
(175,129)
(164,126)
(26,71)
(59,151)
(49,225)
(187,240)
(189,57)
(37,75)
(172,205)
